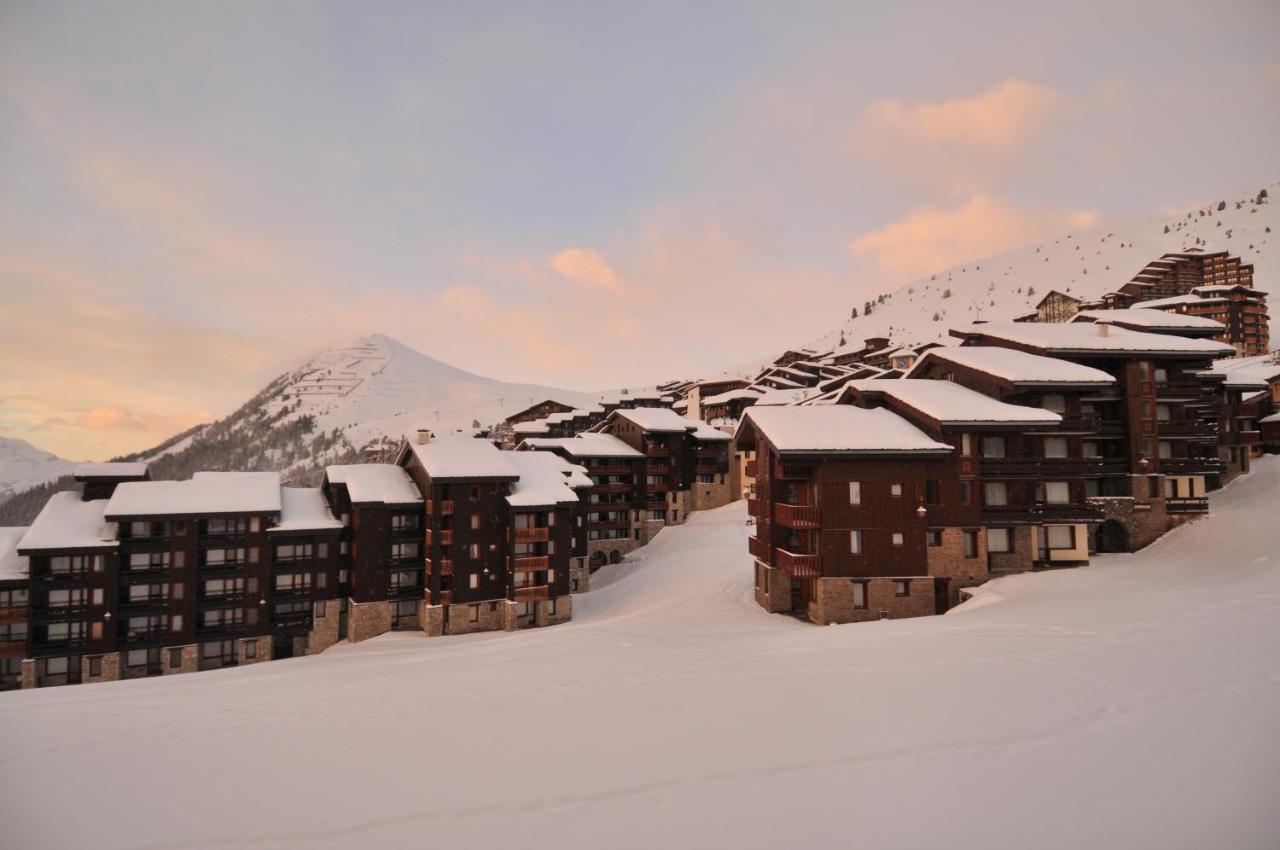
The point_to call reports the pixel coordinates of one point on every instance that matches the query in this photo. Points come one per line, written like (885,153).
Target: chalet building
(498,545)
(843,523)
(795,355)
(541,410)
(729,405)
(615,513)
(15,594)
(382,544)
(1160,418)
(700,392)
(687,466)
(1214,285)
(1054,307)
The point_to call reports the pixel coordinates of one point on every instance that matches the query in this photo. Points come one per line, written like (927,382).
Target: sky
(196,197)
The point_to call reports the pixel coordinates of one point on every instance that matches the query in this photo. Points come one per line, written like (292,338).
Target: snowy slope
(1084,263)
(1130,704)
(23,466)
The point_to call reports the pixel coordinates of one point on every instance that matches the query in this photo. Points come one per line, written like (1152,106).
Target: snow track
(1131,704)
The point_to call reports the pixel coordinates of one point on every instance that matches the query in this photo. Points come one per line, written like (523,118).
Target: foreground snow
(1131,704)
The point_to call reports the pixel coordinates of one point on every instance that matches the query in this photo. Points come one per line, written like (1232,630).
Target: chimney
(1104,329)
(424,436)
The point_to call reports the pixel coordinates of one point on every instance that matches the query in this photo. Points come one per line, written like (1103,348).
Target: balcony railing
(658,451)
(1187,505)
(1042,512)
(797,516)
(751,467)
(1191,465)
(656,469)
(1188,428)
(755,547)
(798,566)
(1179,389)
(446,507)
(793,471)
(527,594)
(612,469)
(615,487)
(531,563)
(533,535)
(1054,468)
(753,507)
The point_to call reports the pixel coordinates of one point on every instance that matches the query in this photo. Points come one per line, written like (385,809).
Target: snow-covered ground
(1131,704)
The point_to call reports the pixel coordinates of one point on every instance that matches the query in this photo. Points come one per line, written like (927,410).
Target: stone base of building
(368,619)
(324,626)
(1132,523)
(833,599)
(188,659)
(949,561)
(579,575)
(773,589)
(679,506)
(431,618)
(27,674)
(254,649)
(466,618)
(110,670)
(704,497)
(1020,558)
(601,552)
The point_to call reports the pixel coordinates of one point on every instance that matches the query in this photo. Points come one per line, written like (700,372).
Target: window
(902,587)
(1171,488)
(149,561)
(933,537)
(1061,536)
(65,631)
(403,522)
(895,489)
(966,445)
(175,658)
(135,658)
(250,649)
(293,552)
(898,539)
(993,447)
(859,594)
(1162,413)
(1162,375)
(1090,449)
(98,596)
(995,493)
(1057,492)
(55,666)
(855,492)
(13,631)
(474,549)
(855,542)
(218,617)
(224,557)
(997,540)
(1054,403)
(966,492)
(475,612)
(402,551)
(322,550)
(1055,447)
(971,544)
(225,527)
(95,666)
(473,581)
(287,582)
(175,623)
(13,598)
(320,609)
(95,631)
(475,521)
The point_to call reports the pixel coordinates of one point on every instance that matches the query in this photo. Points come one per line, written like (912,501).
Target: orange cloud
(998,121)
(931,239)
(586,267)
(107,418)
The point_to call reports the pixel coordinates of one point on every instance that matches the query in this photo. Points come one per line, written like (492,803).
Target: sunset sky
(197,196)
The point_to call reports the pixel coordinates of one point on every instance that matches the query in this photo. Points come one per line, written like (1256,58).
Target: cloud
(930,239)
(587,267)
(1000,120)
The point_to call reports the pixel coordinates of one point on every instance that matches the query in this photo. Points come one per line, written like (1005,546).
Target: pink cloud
(587,267)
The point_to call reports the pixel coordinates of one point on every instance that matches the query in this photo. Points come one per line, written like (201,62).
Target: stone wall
(679,504)
(489,617)
(623,545)
(1144,522)
(110,668)
(27,674)
(261,650)
(368,619)
(190,659)
(773,589)
(833,600)
(1021,555)
(949,561)
(324,630)
(431,618)
(563,612)
(704,497)
(579,575)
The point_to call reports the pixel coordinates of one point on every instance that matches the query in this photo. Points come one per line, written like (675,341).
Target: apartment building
(15,592)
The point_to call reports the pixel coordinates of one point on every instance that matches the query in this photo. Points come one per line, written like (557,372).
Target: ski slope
(1131,704)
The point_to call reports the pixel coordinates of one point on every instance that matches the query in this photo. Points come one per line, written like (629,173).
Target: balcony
(1053,468)
(616,487)
(1191,465)
(751,467)
(797,516)
(142,602)
(533,535)
(710,453)
(1187,505)
(531,563)
(1041,512)
(658,486)
(1248,438)
(1191,429)
(793,471)
(656,469)
(1070,425)
(753,507)
(658,451)
(293,619)
(446,507)
(656,504)
(755,547)
(444,537)
(529,594)
(612,469)
(1186,390)
(798,566)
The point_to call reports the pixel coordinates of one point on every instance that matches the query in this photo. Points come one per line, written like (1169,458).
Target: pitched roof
(656,419)
(544,480)
(67,522)
(586,445)
(1092,338)
(1018,367)
(463,458)
(949,402)
(1148,317)
(304,509)
(840,429)
(118,469)
(376,483)
(12,565)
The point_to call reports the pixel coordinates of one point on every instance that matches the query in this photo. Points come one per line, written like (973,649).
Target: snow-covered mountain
(23,466)
(1085,263)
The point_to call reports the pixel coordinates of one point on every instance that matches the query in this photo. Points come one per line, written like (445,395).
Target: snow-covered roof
(536,426)
(111,470)
(67,522)
(12,565)
(558,418)
(377,483)
(949,402)
(731,395)
(656,419)
(840,428)
(1093,338)
(1150,317)
(1214,289)
(779,398)
(203,493)
(709,434)
(1275,417)
(1238,379)
(586,445)
(903,352)
(1173,301)
(1265,365)
(1020,367)
(464,458)
(544,480)
(304,509)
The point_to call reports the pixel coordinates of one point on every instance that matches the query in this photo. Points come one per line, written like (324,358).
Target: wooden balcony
(656,504)
(445,564)
(751,467)
(658,486)
(446,597)
(1248,438)
(1179,390)
(797,516)
(1193,429)
(753,507)
(446,507)
(529,594)
(793,471)
(1053,468)
(1187,505)
(530,564)
(444,538)
(609,469)
(1191,465)
(798,566)
(658,451)
(755,547)
(533,535)
(656,469)
(709,452)
(622,487)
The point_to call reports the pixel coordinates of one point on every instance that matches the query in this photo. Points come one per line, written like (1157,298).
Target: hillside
(1129,704)
(23,466)
(334,408)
